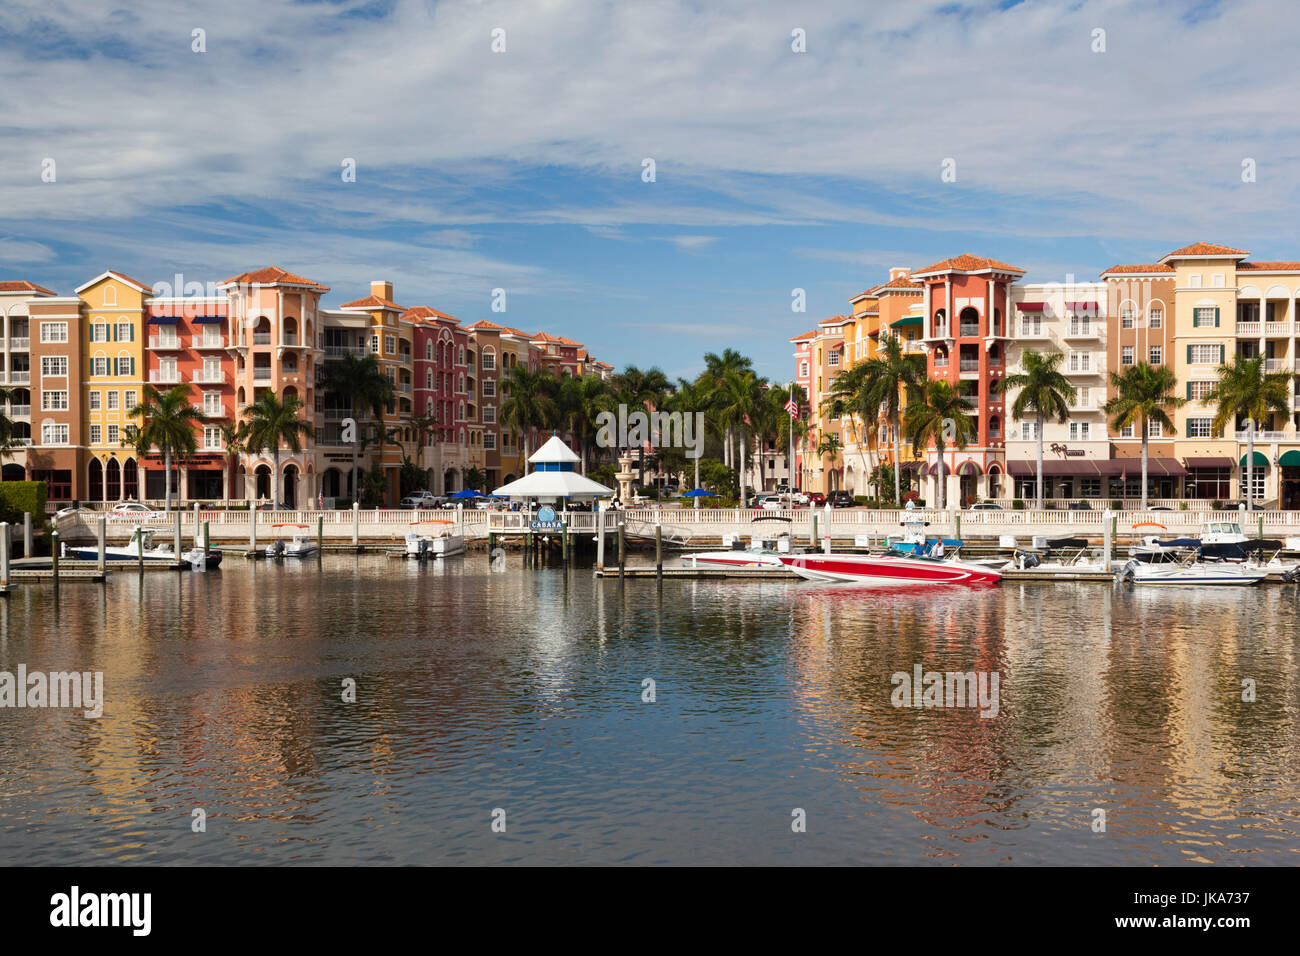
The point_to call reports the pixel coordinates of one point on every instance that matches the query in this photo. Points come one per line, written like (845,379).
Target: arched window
(428,351)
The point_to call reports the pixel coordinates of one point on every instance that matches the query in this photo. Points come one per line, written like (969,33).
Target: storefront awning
(1030,306)
(1081,306)
(906,320)
(1259,461)
(1220,462)
(208,319)
(1091,467)
(163,319)
(911,466)
(1290,459)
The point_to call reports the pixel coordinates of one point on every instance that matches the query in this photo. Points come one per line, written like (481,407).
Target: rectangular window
(1204,317)
(460,355)
(1197,391)
(489,415)
(1204,354)
(1126,431)
(54,401)
(124,364)
(212,404)
(1217,280)
(54,331)
(374,344)
(1126,318)
(52,434)
(54,365)
(1029,325)
(95,432)
(390,344)
(128,399)
(1157,318)
(126,332)
(211,436)
(1155,430)
(1155,355)
(1194,280)
(112,401)
(1198,427)
(1079,431)
(94,401)
(1080,361)
(99,332)
(833,358)
(99,365)
(489,440)
(1028,431)
(489,387)
(489,361)
(112,434)
(1126,355)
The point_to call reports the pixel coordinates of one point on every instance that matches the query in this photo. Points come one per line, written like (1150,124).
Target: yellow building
(112,342)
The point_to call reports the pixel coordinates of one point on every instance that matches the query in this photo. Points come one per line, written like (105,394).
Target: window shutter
(1220,353)
(112,330)
(1216,317)
(1189,391)
(1189,355)
(132,360)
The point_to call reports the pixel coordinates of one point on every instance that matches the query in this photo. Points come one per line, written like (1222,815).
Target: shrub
(1216,505)
(864,500)
(1182,506)
(17,497)
(1116,504)
(1017,504)
(1050,505)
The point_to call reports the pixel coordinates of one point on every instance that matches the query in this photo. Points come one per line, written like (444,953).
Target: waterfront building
(15,367)
(441,365)
(803,377)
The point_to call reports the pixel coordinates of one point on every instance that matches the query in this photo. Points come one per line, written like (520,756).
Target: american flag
(793,408)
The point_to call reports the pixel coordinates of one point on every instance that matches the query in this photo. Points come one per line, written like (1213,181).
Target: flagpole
(789,458)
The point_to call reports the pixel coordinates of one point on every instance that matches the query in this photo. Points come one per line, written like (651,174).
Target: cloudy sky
(523,169)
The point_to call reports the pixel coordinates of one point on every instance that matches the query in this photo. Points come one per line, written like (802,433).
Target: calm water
(521,690)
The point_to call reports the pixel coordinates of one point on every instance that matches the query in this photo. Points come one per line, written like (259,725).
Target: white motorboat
(444,544)
(763,554)
(161,551)
(300,545)
(1158,564)
(892,567)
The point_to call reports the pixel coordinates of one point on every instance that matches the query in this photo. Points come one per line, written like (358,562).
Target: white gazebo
(553,477)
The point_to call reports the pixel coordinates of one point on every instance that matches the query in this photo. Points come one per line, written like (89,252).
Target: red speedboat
(892,567)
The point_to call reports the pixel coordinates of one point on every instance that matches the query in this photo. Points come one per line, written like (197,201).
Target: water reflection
(522,689)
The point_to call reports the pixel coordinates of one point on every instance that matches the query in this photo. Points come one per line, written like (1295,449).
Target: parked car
(816,499)
(773,503)
(986,506)
(62,512)
(841,499)
(421,499)
(131,509)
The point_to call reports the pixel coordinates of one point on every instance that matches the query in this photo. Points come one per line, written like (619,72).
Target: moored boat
(892,567)
(1158,564)
(132,551)
(300,545)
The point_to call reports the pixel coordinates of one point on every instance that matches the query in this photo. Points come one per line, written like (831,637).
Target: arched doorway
(13,472)
(968,477)
(114,480)
(130,480)
(95,480)
(331,483)
(995,485)
(449,482)
(291,486)
(263,478)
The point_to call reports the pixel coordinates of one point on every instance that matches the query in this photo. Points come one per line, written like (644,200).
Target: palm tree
(737,403)
(232,440)
(167,422)
(1245,389)
(581,399)
(8,443)
(937,412)
(361,383)
(1143,392)
(1046,392)
(528,402)
(272,422)
(691,398)
(716,369)
(646,389)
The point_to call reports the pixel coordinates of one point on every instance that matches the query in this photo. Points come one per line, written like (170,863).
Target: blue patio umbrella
(697,493)
(467,493)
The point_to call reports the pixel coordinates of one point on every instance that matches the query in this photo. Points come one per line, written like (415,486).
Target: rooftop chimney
(383,290)
(899,272)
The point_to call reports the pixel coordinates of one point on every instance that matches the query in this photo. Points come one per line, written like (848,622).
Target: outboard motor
(1127,572)
(423,548)
(279,549)
(1032,561)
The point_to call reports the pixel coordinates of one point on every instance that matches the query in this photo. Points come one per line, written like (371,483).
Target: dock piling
(320,534)
(54,557)
(812,536)
(103,543)
(622,546)
(27,534)
(176,536)
(4,555)
(356,523)
(252,527)
(564,541)
(659,547)
(600,537)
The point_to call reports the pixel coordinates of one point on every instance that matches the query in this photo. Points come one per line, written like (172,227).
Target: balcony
(1249,328)
(1261,436)
(1076,368)
(1083,330)
(405,388)
(165,376)
(1279,329)
(1032,330)
(19,343)
(913,346)
(261,338)
(209,341)
(969,331)
(339,351)
(262,373)
(167,342)
(20,411)
(290,338)
(1278,365)
(970,365)
(208,376)
(337,413)
(1085,405)
(20,376)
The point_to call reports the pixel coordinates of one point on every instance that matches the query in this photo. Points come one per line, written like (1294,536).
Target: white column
(947,317)
(988,307)
(279,314)
(929,322)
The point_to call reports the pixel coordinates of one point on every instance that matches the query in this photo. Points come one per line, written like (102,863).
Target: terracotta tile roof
(835,320)
(968,263)
(22,285)
(483,325)
(373,302)
(1268,266)
(1204,249)
(1140,267)
(904,283)
(806,335)
(273,275)
(422,313)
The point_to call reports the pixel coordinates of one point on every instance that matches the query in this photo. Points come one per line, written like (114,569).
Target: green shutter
(112,330)
(1216,317)
(1189,391)
(132,365)
(1189,355)
(1220,353)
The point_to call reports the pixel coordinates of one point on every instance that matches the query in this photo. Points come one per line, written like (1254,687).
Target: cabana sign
(546,520)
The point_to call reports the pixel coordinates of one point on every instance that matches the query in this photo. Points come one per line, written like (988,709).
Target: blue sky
(522,170)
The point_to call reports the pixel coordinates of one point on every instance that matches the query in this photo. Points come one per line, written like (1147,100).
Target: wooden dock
(707,573)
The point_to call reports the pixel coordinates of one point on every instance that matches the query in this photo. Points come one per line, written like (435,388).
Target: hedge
(19,496)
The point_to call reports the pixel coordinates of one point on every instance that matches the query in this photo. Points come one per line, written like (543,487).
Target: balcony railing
(970,365)
(164,341)
(1083,330)
(290,338)
(261,374)
(1262,436)
(338,351)
(1032,331)
(1278,365)
(1249,328)
(165,376)
(969,331)
(19,411)
(261,338)
(405,388)
(1279,328)
(208,376)
(19,343)
(20,376)
(209,341)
